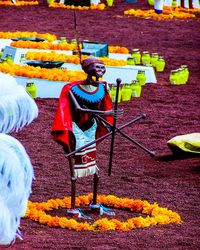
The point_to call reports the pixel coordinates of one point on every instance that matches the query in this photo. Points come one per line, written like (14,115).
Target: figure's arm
(94,111)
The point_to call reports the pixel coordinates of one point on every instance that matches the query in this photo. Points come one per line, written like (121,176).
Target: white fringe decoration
(16,175)
(17,107)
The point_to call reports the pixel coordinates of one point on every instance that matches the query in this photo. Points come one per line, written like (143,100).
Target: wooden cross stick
(106,135)
(152,153)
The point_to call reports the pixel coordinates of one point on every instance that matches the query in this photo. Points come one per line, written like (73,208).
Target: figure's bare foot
(101,209)
(77,213)
(95,208)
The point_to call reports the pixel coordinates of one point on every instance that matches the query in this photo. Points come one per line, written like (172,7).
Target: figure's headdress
(88,61)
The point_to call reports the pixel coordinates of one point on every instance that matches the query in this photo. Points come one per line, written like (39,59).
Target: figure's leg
(73,182)
(76,212)
(182,3)
(96,206)
(191,4)
(95,188)
(73,192)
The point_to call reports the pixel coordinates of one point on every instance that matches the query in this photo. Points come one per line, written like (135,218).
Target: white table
(51,89)
(18,52)
(4,43)
(126,73)
(45,88)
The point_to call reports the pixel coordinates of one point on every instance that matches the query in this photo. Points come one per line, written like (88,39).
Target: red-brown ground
(171,110)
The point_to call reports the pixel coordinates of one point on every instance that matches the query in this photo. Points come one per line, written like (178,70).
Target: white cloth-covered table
(51,89)
(126,73)
(4,43)
(45,88)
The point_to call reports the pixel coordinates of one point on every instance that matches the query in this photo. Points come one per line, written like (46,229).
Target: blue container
(158,11)
(131,1)
(158,6)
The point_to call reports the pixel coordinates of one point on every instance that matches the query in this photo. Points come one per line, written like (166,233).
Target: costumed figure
(17,109)
(76,124)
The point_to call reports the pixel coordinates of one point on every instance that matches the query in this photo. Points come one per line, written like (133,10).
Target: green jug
(141,77)
(154,59)
(130,61)
(160,64)
(186,72)
(126,92)
(9,59)
(146,59)
(136,56)
(113,93)
(173,77)
(31,89)
(136,88)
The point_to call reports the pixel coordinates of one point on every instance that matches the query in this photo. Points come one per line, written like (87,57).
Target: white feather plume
(16,175)
(17,107)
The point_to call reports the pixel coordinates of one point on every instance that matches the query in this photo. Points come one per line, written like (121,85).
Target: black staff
(114,126)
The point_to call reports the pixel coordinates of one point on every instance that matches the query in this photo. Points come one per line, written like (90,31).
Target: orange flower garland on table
(42,73)
(118,49)
(72,7)
(19,3)
(195,10)
(27,34)
(168,13)
(43,45)
(52,56)
(155,214)
(66,46)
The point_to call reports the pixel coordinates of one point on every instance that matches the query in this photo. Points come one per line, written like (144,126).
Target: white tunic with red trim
(85,160)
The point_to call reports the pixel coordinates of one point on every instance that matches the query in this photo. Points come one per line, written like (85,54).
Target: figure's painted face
(96,69)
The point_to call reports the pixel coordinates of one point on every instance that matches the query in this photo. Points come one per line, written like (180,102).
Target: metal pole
(114,126)
(77,37)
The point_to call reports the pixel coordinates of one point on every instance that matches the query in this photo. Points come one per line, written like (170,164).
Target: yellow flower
(72,7)
(103,225)
(168,13)
(63,222)
(44,219)
(19,3)
(27,34)
(42,73)
(52,56)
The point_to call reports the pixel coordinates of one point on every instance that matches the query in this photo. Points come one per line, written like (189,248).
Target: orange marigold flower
(158,215)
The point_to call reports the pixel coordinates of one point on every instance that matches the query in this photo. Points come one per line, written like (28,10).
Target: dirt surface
(171,181)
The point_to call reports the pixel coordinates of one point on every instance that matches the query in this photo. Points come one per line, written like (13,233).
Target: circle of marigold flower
(155,214)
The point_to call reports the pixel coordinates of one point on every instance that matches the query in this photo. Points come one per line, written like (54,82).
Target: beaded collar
(89,95)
